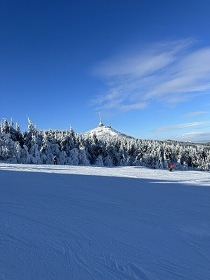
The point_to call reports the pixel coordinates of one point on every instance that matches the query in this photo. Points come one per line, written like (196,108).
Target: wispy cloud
(182,126)
(195,114)
(166,72)
(133,106)
(194,136)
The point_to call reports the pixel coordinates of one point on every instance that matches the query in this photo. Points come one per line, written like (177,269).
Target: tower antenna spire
(100,122)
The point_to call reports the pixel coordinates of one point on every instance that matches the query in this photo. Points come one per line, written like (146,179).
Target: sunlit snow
(73,222)
(105,132)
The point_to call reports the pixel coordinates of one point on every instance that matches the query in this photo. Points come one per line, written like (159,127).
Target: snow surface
(74,222)
(104,132)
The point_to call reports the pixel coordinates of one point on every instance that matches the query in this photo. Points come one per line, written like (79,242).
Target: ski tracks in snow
(88,266)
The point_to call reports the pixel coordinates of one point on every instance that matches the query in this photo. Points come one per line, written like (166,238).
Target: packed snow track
(89,223)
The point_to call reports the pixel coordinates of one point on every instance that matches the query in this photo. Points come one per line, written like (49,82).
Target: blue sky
(143,64)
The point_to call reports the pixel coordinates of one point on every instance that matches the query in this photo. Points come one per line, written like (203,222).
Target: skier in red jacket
(170,166)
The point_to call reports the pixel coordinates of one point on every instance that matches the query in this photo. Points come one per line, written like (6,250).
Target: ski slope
(83,223)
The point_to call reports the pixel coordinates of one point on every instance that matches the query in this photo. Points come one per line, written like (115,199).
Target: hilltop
(105,131)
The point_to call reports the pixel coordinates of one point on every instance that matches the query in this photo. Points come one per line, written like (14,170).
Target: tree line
(36,146)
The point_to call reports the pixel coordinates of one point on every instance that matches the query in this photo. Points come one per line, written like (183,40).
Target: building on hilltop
(100,123)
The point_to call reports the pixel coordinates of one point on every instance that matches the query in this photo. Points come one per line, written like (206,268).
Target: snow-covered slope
(94,223)
(103,132)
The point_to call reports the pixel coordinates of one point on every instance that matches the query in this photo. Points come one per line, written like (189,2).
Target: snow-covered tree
(99,161)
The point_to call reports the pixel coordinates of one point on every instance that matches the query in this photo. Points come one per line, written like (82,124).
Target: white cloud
(166,72)
(194,136)
(182,126)
(195,114)
(133,106)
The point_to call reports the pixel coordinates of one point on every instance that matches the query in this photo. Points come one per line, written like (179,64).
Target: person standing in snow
(55,160)
(170,166)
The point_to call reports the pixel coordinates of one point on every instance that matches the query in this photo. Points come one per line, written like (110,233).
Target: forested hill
(102,146)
